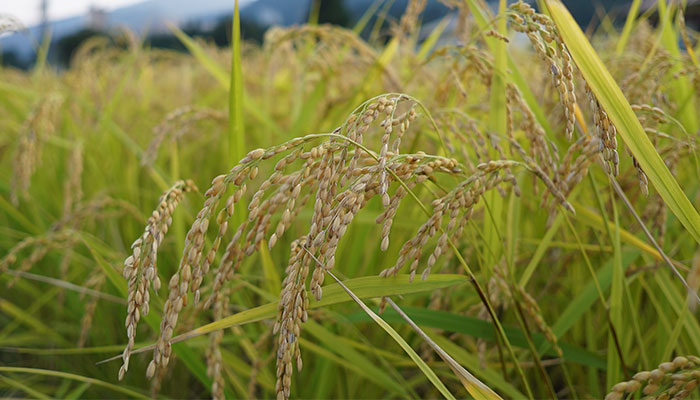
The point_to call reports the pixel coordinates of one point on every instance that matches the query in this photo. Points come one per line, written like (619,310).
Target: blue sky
(28,10)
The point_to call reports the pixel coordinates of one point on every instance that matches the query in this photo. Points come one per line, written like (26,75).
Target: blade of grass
(497,125)
(236,138)
(362,22)
(241,366)
(591,218)
(272,277)
(677,301)
(686,40)
(681,87)
(425,369)
(587,297)
(26,389)
(27,319)
(430,41)
(77,393)
(627,29)
(478,328)
(66,285)
(365,287)
(615,363)
(542,247)
(353,359)
(668,261)
(42,53)
(636,329)
(675,334)
(475,387)
(80,378)
(489,375)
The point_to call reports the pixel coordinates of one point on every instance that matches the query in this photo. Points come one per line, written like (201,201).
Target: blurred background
(67,23)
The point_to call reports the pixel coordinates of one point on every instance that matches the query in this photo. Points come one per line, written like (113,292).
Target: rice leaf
(478,328)
(353,360)
(365,287)
(681,87)
(585,299)
(497,125)
(627,29)
(65,375)
(77,393)
(236,132)
(488,375)
(617,320)
(26,389)
(427,371)
(272,277)
(474,386)
(429,42)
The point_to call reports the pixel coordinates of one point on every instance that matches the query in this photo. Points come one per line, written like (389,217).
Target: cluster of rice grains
(140,267)
(339,58)
(176,124)
(675,379)
(549,46)
(341,175)
(39,125)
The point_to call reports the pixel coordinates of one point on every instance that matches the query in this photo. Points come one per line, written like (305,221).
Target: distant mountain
(277,12)
(151,15)
(147,16)
(292,12)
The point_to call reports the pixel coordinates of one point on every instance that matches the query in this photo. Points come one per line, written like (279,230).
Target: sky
(28,10)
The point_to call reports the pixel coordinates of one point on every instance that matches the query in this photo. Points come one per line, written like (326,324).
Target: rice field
(510,213)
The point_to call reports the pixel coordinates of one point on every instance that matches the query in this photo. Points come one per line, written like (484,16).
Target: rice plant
(508,214)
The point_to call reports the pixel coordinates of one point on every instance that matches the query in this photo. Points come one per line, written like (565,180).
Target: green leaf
(493,201)
(588,296)
(365,287)
(272,277)
(236,137)
(352,359)
(483,329)
(77,393)
(617,320)
(430,41)
(80,378)
(490,376)
(474,386)
(682,92)
(627,30)
(425,369)
(26,389)
(198,52)
(542,247)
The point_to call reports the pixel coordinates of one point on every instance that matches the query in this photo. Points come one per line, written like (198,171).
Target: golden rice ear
(621,115)
(671,379)
(140,269)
